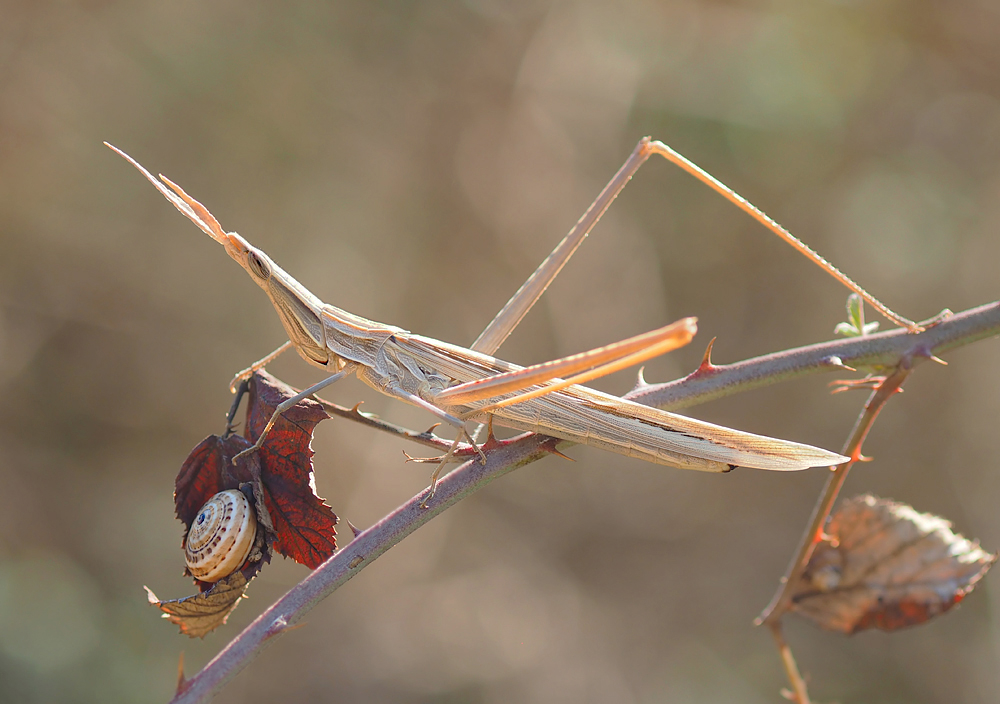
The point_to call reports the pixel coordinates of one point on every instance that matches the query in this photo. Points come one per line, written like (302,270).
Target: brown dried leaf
(884,565)
(201,614)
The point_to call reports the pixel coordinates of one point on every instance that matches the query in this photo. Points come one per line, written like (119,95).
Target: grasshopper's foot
(477,448)
(430,492)
(430,495)
(250,450)
(267,429)
(436,474)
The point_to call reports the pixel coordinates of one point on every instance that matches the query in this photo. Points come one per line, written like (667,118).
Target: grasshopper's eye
(258,266)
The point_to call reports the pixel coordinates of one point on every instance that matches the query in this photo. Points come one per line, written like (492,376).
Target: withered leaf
(208,470)
(298,523)
(202,613)
(303,523)
(291,518)
(886,566)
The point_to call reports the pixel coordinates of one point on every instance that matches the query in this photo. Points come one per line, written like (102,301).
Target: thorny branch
(896,350)
(876,352)
(923,346)
(890,386)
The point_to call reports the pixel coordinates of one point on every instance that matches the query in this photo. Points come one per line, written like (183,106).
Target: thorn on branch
(182,682)
(835,361)
(279,626)
(550,447)
(926,352)
(491,443)
(640,379)
(357,531)
(706,366)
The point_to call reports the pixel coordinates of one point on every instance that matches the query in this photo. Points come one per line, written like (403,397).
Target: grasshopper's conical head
(298,308)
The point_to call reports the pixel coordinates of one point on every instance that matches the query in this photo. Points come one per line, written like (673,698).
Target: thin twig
(814,532)
(887,350)
(813,535)
(799,689)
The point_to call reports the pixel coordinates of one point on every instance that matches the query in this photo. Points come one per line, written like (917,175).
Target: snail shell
(221,536)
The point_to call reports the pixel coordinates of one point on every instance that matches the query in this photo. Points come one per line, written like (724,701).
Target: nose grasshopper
(458,384)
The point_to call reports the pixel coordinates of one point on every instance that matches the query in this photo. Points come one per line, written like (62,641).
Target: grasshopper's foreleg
(290,403)
(256,366)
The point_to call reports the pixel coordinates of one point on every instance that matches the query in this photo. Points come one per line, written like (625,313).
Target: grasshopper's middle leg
(450,420)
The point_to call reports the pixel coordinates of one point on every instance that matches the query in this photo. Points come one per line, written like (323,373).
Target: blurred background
(412,163)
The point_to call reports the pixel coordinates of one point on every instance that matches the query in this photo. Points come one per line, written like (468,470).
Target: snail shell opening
(220,536)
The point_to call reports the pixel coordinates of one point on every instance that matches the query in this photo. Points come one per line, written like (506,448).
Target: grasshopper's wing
(583,415)
(667,438)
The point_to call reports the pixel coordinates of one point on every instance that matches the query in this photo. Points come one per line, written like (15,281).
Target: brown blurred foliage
(412,162)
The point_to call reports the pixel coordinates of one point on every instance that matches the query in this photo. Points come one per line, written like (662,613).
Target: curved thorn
(640,381)
(706,365)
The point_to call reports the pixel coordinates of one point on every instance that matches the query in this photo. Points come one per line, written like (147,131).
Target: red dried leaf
(290,517)
(886,566)
(207,471)
(304,525)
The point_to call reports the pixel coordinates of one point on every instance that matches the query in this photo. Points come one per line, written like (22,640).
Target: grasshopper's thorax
(298,309)
(300,315)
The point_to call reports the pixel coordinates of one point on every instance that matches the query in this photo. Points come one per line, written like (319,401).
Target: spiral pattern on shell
(221,536)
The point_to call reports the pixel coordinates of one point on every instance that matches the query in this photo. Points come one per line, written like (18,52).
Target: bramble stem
(884,350)
(876,352)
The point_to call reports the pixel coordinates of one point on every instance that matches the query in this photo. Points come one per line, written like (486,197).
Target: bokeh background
(412,162)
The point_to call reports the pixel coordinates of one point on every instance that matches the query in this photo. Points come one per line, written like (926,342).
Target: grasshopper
(459,384)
